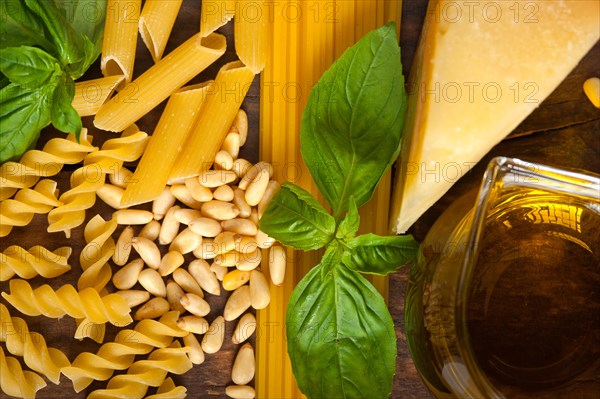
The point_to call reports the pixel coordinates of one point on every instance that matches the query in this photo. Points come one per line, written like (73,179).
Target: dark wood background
(563,131)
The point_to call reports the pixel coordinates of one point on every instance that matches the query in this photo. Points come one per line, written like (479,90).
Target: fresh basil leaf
(352,124)
(64,117)
(27,66)
(23,113)
(296,219)
(341,338)
(86,17)
(375,254)
(3,81)
(20,27)
(350,223)
(331,258)
(91,53)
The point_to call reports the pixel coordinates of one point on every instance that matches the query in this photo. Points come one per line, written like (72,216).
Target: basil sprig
(341,338)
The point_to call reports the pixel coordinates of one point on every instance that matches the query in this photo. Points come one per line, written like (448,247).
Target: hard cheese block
(480,69)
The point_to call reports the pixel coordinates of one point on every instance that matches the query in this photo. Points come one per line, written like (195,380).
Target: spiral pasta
(31,346)
(43,163)
(168,390)
(86,303)
(119,355)
(88,179)
(35,261)
(99,248)
(20,210)
(146,373)
(16,382)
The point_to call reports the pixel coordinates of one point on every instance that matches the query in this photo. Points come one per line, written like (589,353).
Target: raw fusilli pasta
(31,346)
(16,382)
(168,390)
(35,261)
(99,248)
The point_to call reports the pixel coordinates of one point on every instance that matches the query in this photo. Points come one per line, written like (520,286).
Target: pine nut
(121,177)
(238,302)
(240,392)
(256,189)
(235,279)
(239,201)
(228,259)
(206,227)
(128,276)
(240,122)
(186,216)
(247,245)
(200,270)
(187,282)
(213,339)
(263,240)
(224,160)
(111,195)
(197,190)
(132,216)
(259,290)
(150,230)
(171,261)
(241,166)
(254,216)
(123,246)
(186,241)
(174,293)
(181,192)
(244,365)
(250,261)
(277,264)
(147,250)
(153,309)
(231,144)
(170,227)
(240,226)
(223,193)
(219,271)
(162,204)
(195,304)
(591,88)
(196,354)
(216,178)
(207,249)
(253,172)
(244,329)
(272,189)
(194,324)
(153,282)
(134,297)
(219,210)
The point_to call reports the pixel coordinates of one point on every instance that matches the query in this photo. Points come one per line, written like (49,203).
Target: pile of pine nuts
(214,217)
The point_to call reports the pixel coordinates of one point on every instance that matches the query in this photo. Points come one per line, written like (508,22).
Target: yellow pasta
(91,94)
(16,382)
(99,248)
(213,123)
(146,373)
(66,300)
(214,14)
(250,33)
(31,346)
(175,123)
(159,82)
(120,354)
(35,261)
(168,390)
(120,37)
(156,23)
(28,202)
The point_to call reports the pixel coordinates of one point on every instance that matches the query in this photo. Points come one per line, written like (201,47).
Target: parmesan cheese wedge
(480,69)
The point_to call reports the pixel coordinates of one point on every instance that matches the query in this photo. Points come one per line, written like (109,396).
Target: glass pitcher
(504,301)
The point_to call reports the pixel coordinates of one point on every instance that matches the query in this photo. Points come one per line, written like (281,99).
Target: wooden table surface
(563,131)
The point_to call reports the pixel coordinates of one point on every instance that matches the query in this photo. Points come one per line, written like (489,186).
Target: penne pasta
(156,22)
(158,82)
(213,123)
(91,94)
(120,37)
(250,34)
(214,14)
(176,121)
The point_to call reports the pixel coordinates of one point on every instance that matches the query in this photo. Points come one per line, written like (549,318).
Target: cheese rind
(480,70)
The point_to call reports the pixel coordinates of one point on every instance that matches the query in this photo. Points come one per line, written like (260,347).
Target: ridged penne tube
(156,22)
(222,103)
(148,182)
(120,37)
(251,33)
(91,94)
(36,261)
(159,82)
(214,14)
(67,300)
(16,382)
(168,389)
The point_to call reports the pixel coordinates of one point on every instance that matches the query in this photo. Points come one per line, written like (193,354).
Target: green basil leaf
(375,254)
(349,225)
(64,117)
(20,27)
(341,338)
(91,53)
(3,81)
(27,66)
(296,219)
(23,113)
(86,17)
(352,124)
(331,258)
